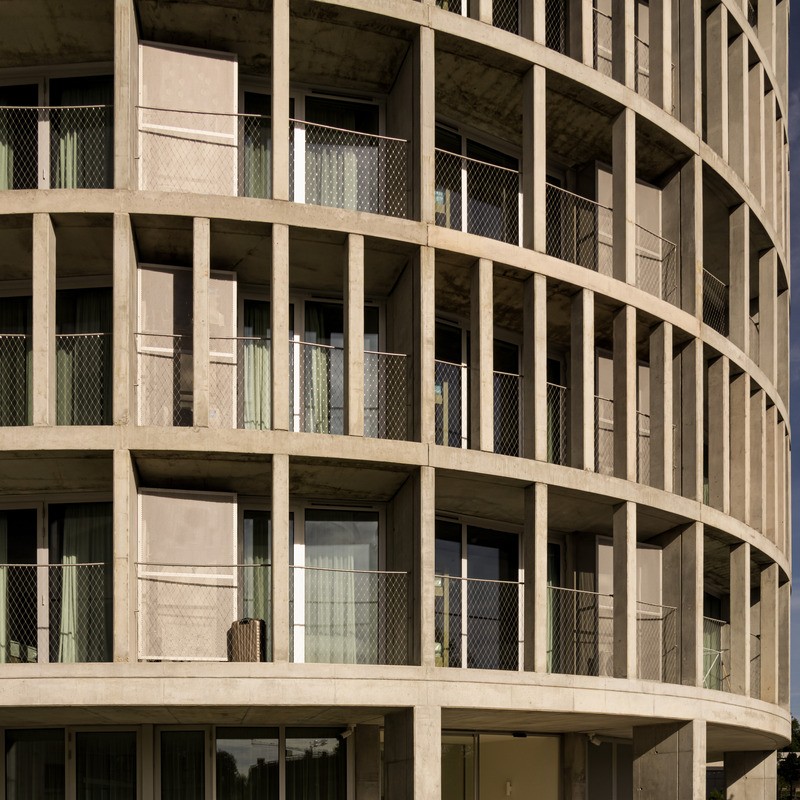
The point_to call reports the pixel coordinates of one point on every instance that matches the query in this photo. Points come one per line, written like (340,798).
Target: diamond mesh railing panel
(604,435)
(386,396)
(19,639)
(450,411)
(555,26)
(240,386)
(602,38)
(656,265)
(505,15)
(83,379)
(15,379)
(642,447)
(477,623)
(19,133)
(656,642)
(348,169)
(349,616)
(556,424)
(755,665)
(716,673)
(580,636)
(715,303)
(492,192)
(205,152)
(578,230)
(317,387)
(507,413)
(642,66)
(164,383)
(186,611)
(450,5)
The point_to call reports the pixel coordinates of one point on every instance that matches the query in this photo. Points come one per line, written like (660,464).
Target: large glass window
(247,763)
(105,765)
(35,764)
(316,764)
(182,761)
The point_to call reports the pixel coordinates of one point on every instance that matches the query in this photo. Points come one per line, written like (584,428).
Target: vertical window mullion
(43,138)
(42,589)
(464,187)
(464,606)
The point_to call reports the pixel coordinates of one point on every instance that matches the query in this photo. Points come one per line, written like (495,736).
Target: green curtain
(257,156)
(256,359)
(316,375)
(257,578)
(16,361)
(4,632)
(83,614)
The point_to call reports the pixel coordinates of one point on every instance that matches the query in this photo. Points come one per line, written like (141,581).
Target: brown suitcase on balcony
(246,640)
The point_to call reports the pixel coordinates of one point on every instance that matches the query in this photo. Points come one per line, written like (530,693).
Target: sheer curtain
(256,357)
(105,765)
(257,579)
(316,369)
(257,179)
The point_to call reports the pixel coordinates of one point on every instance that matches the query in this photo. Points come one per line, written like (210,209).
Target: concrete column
(527,367)
(533,22)
(716,53)
(574,766)
(534,555)
(739,290)
(201,367)
(625,591)
(691,239)
(580,31)
(660,38)
(280,558)
(481,394)
(688,64)
(623,42)
(766,27)
(280,70)
(770,157)
(354,335)
(781,59)
(770,631)
(780,485)
(719,435)
(581,396)
(368,762)
(669,760)
(534,158)
(692,368)
(782,344)
(738,106)
(661,411)
(758,470)
(412,753)
(425,502)
(624,195)
(625,439)
(125,545)
(125,319)
(539,367)
(44,320)
(740,455)
(751,775)
(126,94)
(784,641)
(279,326)
(424,344)
(769,501)
(481,10)
(756,130)
(691,606)
(739,659)
(424,155)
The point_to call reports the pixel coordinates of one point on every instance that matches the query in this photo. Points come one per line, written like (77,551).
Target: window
(316,764)
(35,764)
(105,765)
(247,763)
(182,764)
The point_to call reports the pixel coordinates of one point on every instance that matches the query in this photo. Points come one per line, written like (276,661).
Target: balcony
(557,424)
(715,303)
(346,616)
(657,642)
(316,387)
(386,395)
(186,612)
(451,387)
(603,436)
(347,169)
(478,623)
(555,22)
(505,13)
(163,384)
(656,265)
(56,147)
(507,417)
(240,385)
(602,38)
(642,447)
(716,650)
(15,379)
(83,379)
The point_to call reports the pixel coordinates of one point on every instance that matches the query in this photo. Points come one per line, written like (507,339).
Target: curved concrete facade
(444,342)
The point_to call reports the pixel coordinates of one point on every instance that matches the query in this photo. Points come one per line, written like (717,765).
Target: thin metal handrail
(384,353)
(479,580)
(347,130)
(350,571)
(204,113)
(476,160)
(54,108)
(579,196)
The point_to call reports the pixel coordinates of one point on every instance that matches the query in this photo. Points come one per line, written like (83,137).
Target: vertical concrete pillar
(758,471)
(766,27)
(780,485)
(784,642)
(534,554)
(281,585)
(738,106)
(782,344)
(125,319)
(688,64)
(669,760)
(625,591)
(740,618)
(692,368)
(716,95)
(539,368)
(581,397)
(201,367)
(413,753)
(739,291)
(534,158)
(574,766)
(719,435)
(770,631)
(279,327)
(751,775)
(424,155)
(691,607)
(625,439)
(279,67)
(481,399)
(661,411)
(623,42)
(126,93)
(125,546)
(770,160)
(580,31)
(756,130)
(691,240)
(425,502)
(44,320)
(367,762)
(740,455)
(424,344)
(769,500)
(624,195)
(660,38)
(354,335)
(481,10)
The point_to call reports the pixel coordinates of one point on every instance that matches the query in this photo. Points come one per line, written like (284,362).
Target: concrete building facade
(393,398)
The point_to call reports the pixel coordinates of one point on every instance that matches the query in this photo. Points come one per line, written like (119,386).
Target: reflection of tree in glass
(228,777)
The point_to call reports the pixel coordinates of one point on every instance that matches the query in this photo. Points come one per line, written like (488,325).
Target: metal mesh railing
(81,147)
(507,413)
(755,665)
(555,25)
(642,447)
(715,303)
(580,636)
(556,423)
(386,395)
(578,230)
(83,379)
(657,642)
(641,63)
(505,15)
(205,152)
(185,612)
(348,169)
(602,38)
(752,13)
(342,616)
(164,382)
(450,411)
(604,435)
(716,673)
(15,379)
(492,206)
(317,387)
(477,623)
(656,265)
(240,387)
(450,5)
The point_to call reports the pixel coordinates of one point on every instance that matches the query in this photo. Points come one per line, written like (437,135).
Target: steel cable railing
(164,381)
(657,642)
(83,379)
(556,423)
(451,387)
(16,372)
(386,395)
(507,413)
